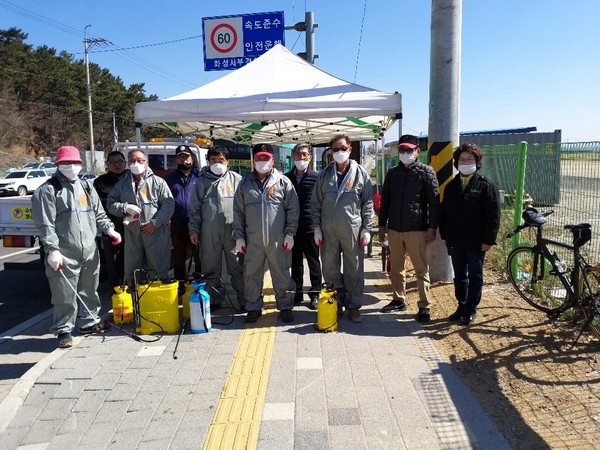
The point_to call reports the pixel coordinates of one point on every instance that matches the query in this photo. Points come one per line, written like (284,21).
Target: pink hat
(68,153)
(407,145)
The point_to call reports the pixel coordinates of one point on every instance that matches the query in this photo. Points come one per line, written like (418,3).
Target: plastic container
(185,300)
(122,304)
(327,309)
(200,309)
(158,303)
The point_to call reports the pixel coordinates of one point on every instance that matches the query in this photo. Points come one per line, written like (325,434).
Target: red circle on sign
(212,38)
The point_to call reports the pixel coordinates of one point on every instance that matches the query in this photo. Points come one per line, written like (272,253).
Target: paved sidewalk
(376,385)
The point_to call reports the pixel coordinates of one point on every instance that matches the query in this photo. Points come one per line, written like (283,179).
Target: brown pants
(413,244)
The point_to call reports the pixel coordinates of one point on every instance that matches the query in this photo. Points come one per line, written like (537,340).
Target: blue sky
(524,62)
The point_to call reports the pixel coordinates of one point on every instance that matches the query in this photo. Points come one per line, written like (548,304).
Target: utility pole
(444,110)
(87,44)
(307,26)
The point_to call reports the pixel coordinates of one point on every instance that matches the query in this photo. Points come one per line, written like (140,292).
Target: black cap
(408,139)
(183,149)
(262,148)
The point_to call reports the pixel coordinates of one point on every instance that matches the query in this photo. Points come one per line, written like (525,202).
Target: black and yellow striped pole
(439,157)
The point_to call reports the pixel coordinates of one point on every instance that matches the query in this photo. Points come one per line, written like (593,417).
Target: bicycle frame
(570,283)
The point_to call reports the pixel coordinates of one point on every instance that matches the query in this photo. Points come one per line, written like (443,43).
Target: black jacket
(410,199)
(470,217)
(103,185)
(304,190)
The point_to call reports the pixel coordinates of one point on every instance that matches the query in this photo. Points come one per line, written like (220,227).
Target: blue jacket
(182,190)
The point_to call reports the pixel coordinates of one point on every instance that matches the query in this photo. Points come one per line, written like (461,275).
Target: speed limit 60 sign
(233,41)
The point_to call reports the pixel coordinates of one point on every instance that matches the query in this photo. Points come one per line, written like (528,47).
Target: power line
(362,25)
(118,49)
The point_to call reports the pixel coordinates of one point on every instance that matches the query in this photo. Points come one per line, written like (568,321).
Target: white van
(161,153)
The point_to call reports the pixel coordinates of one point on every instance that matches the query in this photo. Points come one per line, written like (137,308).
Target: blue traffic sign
(231,42)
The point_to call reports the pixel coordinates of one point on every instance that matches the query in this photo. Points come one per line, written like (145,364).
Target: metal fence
(564,177)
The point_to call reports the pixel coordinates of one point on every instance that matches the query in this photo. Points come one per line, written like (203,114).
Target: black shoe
(314,301)
(65,340)
(456,315)
(423,315)
(287,316)
(100,327)
(253,316)
(467,319)
(394,305)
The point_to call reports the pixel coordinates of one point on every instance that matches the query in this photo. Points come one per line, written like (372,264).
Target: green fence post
(520,192)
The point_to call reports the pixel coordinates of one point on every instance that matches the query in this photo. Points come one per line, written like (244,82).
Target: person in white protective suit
(265,219)
(211,219)
(68,213)
(342,216)
(147,203)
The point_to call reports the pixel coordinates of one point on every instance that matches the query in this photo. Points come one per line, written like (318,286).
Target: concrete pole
(444,110)
(88,89)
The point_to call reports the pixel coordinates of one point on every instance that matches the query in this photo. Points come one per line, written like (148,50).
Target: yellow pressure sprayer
(327,309)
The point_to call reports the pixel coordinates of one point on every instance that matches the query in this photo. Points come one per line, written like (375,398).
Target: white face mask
(467,169)
(262,166)
(407,158)
(70,170)
(137,168)
(218,168)
(341,156)
(301,165)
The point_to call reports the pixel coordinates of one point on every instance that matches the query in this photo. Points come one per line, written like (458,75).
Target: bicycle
(546,283)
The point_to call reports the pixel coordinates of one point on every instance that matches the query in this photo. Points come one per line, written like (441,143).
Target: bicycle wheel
(590,300)
(529,273)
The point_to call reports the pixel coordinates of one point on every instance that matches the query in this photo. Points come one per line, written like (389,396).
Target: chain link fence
(563,177)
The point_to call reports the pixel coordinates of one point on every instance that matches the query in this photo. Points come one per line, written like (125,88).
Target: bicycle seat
(582,233)
(533,218)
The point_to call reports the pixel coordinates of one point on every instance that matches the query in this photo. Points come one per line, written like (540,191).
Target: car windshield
(17,174)
(30,165)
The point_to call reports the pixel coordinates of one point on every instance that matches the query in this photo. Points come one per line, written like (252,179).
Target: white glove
(288,243)
(318,237)
(55,260)
(116,237)
(365,238)
(240,246)
(133,210)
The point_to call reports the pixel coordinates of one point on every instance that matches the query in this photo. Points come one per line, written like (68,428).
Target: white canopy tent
(277,98)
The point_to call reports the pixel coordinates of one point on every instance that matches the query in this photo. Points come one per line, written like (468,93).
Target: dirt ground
(520,367)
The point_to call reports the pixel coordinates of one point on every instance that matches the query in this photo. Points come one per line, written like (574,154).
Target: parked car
(87,176)
(22,182)
(49,167)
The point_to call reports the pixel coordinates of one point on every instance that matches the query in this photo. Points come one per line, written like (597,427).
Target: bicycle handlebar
(531,216)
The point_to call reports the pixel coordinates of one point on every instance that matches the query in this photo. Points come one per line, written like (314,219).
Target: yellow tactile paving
(236,422)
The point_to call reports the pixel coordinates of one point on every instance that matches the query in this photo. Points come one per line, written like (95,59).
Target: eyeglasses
(116,163)
(340,149)
(133,161)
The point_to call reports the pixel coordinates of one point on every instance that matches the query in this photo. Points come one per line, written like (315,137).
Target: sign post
(231,42)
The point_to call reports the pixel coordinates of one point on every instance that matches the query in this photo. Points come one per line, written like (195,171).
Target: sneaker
(253,316)
(394,305)
(298,297)
(467,319)
(100,327)
(456,315)
(355,315)
(423,315)
(65,340)
(314,301)
(287,316)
